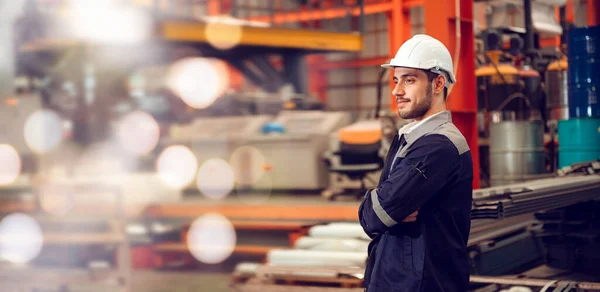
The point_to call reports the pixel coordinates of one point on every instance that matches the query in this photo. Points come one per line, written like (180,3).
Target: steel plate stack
(532,196)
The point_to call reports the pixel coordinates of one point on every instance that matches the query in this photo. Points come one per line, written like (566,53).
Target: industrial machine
(355,156)
(216,137)
(357,152)
(294,156)
(512,128)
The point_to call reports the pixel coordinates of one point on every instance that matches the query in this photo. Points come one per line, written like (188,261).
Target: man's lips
(402,101)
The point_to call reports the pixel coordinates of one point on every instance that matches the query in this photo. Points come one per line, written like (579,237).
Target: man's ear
(439,84)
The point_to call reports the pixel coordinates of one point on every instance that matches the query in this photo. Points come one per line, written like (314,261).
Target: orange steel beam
(178,247)
(412,3)
(317,76)
(440,22)
(570,11)
(549,42)
(264,225)
(275,212)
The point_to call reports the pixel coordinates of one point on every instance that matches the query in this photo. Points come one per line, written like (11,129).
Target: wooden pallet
(274,277)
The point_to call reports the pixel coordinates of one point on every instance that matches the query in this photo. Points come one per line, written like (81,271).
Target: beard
(418,109)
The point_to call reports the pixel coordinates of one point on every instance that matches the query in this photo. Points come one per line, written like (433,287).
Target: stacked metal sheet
(532,196)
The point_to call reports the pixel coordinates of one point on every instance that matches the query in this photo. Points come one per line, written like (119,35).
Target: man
(418,216)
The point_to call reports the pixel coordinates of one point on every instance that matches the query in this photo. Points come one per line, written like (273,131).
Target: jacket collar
(416,130)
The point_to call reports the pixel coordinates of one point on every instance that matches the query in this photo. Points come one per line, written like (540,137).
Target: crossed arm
(413,182)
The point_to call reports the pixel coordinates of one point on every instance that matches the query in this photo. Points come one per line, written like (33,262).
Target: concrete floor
(146,281)
(152,281)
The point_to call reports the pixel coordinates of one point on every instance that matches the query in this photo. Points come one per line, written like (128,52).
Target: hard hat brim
(451,77)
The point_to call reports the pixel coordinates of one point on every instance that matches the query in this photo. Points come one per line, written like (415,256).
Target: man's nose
(398,90)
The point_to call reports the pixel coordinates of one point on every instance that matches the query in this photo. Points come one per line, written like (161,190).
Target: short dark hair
(431,76)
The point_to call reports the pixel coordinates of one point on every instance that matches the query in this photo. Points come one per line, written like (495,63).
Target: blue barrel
(578,141)
(584,72)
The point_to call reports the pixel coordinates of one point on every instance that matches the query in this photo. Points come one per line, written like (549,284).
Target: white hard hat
(424,52)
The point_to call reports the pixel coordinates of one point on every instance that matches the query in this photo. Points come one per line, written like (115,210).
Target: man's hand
(412,217)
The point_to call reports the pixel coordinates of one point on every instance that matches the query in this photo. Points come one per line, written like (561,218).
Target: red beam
(570,12)
(412,3)
(440,22)
(399,26)
(317,77)
(214,7)
(593,12)
(557,38)
(330,13)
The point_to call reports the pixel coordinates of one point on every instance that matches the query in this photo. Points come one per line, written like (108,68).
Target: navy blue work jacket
(432,173)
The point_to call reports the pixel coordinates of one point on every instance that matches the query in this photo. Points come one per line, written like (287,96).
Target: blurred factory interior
(224,145)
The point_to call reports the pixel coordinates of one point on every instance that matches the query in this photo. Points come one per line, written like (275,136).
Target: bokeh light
(248,164)
(215,178)
(257,193)
(10,168)
(211,238)
(223,33)
(103,21)
(177,166)
(56,200)
(21,238)
(198,81)
(138,133)
(43,131)
(104,161)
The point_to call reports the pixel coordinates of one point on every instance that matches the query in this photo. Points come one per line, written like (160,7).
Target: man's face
(413,92)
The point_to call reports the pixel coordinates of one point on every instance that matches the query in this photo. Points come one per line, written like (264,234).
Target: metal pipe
(380,81)
(530,282)
(529,46)
(362,16)
(563,24)
(234,11)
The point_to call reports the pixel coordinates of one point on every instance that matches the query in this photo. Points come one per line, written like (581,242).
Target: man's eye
(409,81)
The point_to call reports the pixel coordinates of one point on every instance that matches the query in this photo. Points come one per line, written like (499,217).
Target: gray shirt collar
(427,126)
